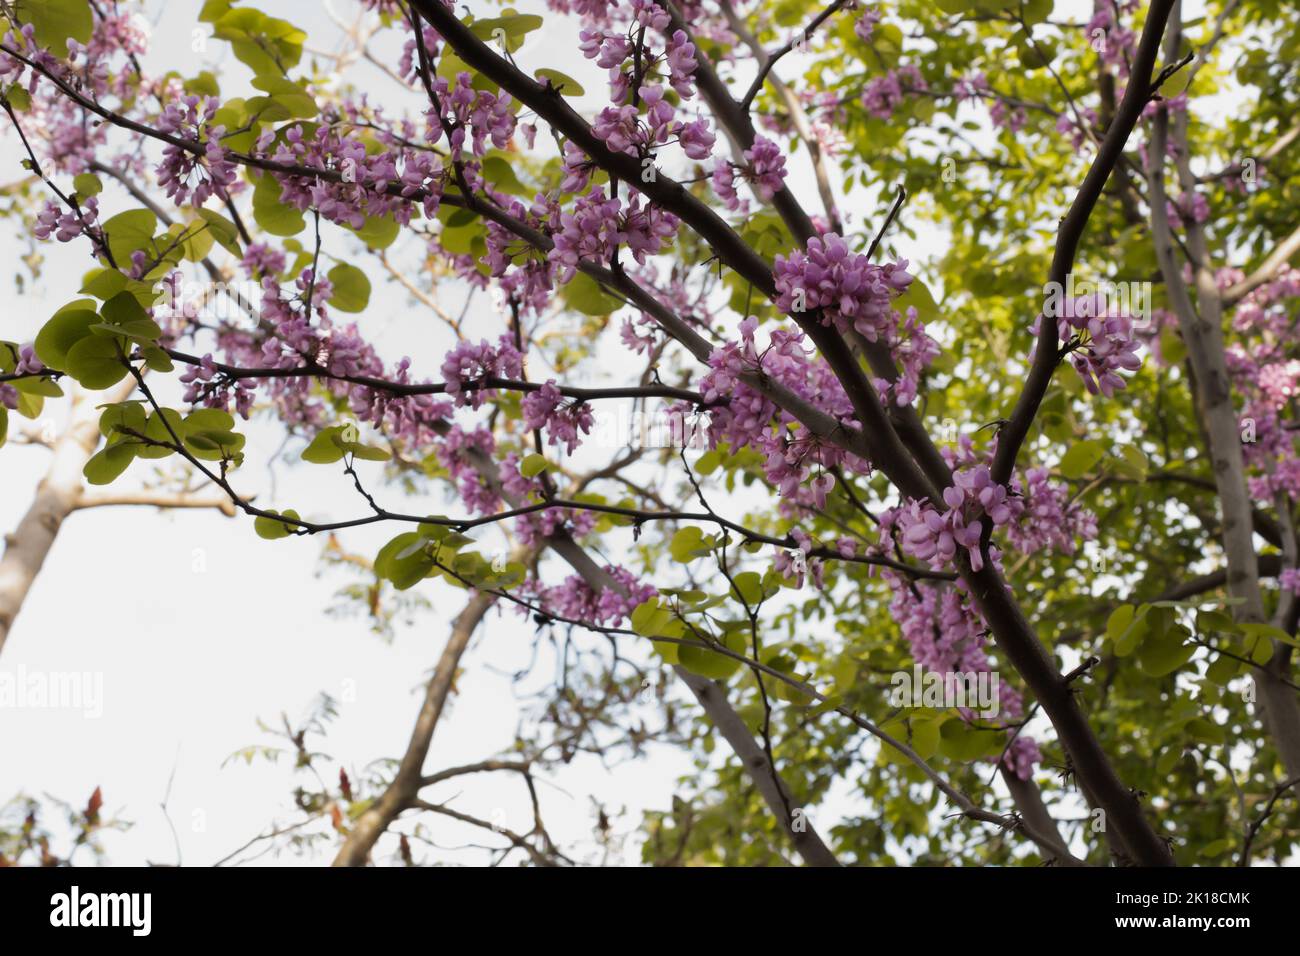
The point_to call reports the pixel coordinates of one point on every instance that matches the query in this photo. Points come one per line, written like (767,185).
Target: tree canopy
(762,474)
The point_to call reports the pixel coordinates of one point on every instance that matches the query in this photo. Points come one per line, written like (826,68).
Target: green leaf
(1133,632)
(116,421)
(270,529)
(109,463)
(1119,621)
(709,462)
(223,230)
(265,44)
(1132,463)
(18,98)
(406,560)
(129,231)
(1223,669)
(324,449)
(296,100)
(1210,623)
(38,386)
(1168,760)
(1259,650)
(1081,459)
(961,742)
(461,240)
(1036,55)
(351,288)
(1200,729)
(918,296)
(125,316)
(87,184)
(195,237)
(379,232)
(1036,11)
(96,362)
(687,544)
(103,283)
(209,435)
(57,21)
(65,329)
(1163,654)
(500,173)
(1268,632)
(1172,348)
(331,444)
(276,217)
(210,419)
(583,294)
(157,359)
(567,85)
(507,30)
(926,735)
(709,663)
(750,586)
(156,429)
(533,465)
(651,618)
(4,425)
(1215,848)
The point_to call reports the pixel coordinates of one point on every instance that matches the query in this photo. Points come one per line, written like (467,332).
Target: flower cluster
(563,421)
(946,634)
(1049,519)
(1289,580)
(852,293)
(1115,43)
(929,535)
(468,364)
(614,52)
(1068,125)
(865,25)
(1188,208)
(1266,374)
(383,184)
(764,170)
(598,225)
(744,417)
(460,452)
(1011,119)
(1106,342)
(486,116)
(882,94)
(848,288)
(28,364)
(191,117)
(792,565)
(64,224)
(574,599)
(199,378)
(970,88)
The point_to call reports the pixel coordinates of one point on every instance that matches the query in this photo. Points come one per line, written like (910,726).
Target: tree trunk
(56,497)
